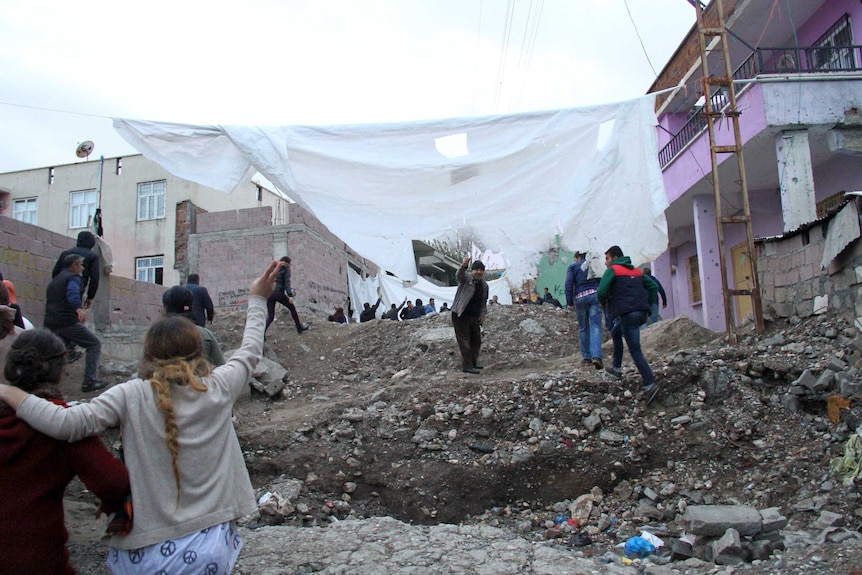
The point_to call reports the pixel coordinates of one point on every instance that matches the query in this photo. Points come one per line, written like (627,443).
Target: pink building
(798,71)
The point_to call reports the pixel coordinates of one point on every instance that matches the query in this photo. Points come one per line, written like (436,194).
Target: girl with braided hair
(188,477)
(37,468)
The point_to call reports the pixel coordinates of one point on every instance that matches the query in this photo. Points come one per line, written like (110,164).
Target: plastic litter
(638,547)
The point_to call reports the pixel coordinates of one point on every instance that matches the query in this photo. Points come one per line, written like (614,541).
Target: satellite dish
(84,149)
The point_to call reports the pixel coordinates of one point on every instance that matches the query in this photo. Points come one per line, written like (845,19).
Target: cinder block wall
(230,249)
(791,277)
(27,256)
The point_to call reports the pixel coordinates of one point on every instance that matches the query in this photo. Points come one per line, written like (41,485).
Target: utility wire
(501,71)
(54,110)
(478,46)
(638,34)
(531,31)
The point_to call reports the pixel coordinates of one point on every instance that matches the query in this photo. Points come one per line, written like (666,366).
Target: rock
(268,377)
(592,422)
(715,520)
(609,436)
(830,519)
(772,520)
(728,550)
(807,380)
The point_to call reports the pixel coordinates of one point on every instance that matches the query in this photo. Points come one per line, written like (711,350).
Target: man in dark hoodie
(625,292)
(90,274)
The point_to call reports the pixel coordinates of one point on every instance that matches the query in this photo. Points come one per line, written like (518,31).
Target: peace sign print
(211,569)
(136,556)
(168,548)
(190,557)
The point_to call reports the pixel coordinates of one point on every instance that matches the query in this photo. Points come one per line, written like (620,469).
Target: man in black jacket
(202,305)
(468,313)
(90,271)
(65,316)
(370,311)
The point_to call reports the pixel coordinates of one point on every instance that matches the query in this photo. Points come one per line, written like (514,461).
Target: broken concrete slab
(715,520)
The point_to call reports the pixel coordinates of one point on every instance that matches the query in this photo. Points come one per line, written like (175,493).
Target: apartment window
(694,279)
(150,269)
(82,208)
(833,50)
(151,200)
(25,210)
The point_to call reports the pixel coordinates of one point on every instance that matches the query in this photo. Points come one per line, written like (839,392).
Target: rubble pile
(377,420)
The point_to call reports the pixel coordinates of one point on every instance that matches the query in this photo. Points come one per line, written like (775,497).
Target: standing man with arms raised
(468,313)
(581,290)
(626,292)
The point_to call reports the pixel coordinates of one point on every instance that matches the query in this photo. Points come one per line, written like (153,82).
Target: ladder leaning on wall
(713,40)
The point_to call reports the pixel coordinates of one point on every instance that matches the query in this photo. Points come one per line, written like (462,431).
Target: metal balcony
(810,60)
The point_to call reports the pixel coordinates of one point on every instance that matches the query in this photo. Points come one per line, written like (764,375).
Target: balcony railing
(810,60)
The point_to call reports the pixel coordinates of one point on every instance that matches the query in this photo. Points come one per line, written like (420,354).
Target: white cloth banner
(393,290)
(590,175)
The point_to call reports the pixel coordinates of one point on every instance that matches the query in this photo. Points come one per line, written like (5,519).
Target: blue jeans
(589,326)
(653,313)
(627,326)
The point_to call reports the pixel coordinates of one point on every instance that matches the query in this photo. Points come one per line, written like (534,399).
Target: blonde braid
(179,371)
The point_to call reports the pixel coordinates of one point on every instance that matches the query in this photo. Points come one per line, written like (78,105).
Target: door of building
(741,280)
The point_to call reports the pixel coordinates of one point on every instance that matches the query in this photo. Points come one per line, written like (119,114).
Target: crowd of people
(182,479)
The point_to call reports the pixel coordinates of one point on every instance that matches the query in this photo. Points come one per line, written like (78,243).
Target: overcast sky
(314,62)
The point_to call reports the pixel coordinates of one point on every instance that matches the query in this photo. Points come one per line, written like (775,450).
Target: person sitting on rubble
(188,477)
(407,312)
(338,316)
(370,311)
(418,309)
(393,311)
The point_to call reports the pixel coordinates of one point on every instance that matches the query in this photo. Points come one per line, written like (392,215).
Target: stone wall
(793,283)
(27,256)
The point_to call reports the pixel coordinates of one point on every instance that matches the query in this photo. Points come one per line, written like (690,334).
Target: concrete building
(799,90)
(147,213)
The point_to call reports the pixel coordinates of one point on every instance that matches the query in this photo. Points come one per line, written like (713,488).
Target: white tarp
(512,182)
(393,290)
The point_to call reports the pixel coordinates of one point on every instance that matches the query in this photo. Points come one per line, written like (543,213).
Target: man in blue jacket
(581,290)
(625,291)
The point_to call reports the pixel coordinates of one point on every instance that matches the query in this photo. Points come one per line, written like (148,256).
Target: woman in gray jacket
(188,477)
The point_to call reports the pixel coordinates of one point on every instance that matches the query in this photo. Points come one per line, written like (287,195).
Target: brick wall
(231,248)
(234,220)
(186,224)
(792,281)
(27,256)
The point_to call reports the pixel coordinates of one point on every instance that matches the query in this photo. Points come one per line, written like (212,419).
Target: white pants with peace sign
(213,551)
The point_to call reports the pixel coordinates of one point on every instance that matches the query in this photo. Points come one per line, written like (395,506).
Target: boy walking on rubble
(626,292)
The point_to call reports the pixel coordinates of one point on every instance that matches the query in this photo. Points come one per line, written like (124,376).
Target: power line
(638,34)
(504,52)
(54,110)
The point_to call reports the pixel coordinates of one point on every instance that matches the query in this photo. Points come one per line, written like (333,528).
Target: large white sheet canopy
(513,182)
